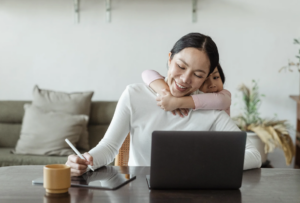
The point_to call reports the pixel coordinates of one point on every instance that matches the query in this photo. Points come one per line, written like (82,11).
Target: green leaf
(298,57)
(251,102)
(296,41)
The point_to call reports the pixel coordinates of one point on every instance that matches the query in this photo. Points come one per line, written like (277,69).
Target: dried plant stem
(273,133)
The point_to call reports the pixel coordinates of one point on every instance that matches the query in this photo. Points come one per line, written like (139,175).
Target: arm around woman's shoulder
(220,100)
(149,76)
(224,123)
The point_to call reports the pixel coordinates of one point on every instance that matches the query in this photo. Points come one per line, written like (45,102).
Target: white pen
(77,152)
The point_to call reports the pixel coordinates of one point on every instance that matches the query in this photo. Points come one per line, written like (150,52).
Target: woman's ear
(169,60)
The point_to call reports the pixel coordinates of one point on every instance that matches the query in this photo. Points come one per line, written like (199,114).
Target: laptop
(196,160)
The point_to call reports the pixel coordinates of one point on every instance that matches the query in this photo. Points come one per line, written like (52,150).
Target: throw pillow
(44,133)
(71,103)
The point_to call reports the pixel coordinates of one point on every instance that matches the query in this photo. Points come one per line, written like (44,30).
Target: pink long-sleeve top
(218,101)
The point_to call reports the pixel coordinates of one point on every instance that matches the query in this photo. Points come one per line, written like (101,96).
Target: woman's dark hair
(201,42)
(222,76)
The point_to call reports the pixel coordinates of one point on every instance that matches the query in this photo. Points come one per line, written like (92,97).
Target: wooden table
(259,185)
(297,154)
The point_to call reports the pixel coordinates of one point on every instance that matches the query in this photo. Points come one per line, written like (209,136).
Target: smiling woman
(191,60)
(187,71)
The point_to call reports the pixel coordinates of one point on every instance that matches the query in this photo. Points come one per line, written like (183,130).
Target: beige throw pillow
(71,103)
(44,133)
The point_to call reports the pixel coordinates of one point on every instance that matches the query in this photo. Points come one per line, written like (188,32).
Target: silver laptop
(196,160)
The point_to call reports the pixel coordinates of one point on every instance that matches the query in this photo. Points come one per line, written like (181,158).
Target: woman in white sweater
(191,60)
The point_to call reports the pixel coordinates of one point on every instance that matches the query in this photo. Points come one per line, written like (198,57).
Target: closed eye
(180,67)
(198,76)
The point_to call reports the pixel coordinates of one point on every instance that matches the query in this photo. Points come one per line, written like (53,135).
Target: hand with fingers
(181,112)
(168,102)
(78,165)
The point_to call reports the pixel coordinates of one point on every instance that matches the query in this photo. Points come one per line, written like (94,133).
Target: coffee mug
(57,178)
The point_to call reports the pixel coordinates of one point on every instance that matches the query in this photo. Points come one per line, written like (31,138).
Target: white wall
(40,44)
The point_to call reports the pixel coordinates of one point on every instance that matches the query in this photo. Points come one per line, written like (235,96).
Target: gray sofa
(11,114)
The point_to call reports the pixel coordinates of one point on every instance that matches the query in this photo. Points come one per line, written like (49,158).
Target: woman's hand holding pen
(78,165)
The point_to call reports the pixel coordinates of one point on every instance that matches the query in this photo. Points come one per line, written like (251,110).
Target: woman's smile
(180,87)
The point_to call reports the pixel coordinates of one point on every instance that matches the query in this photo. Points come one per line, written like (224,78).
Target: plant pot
(258,144)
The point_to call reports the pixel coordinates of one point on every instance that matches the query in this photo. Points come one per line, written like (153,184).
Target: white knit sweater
(138,113)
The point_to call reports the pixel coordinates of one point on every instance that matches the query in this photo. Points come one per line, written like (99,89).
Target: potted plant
(265,134)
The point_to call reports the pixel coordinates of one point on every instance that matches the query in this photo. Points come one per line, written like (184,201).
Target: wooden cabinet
(297,155)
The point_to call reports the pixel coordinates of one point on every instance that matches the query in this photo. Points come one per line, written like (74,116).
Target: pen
(77,152)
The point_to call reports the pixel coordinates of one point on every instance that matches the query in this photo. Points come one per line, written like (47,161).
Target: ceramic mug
(57,178)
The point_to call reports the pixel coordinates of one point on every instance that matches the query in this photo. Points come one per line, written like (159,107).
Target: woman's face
(213,83)
(187,71)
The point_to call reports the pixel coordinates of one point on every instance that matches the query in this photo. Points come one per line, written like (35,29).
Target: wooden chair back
(123,156)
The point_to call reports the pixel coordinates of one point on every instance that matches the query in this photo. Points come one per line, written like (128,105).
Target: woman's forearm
(109,146)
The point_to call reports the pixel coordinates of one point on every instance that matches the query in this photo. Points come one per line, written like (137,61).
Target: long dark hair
(201,42)
(222,76)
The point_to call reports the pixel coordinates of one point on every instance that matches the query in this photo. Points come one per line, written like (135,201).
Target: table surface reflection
(259,185)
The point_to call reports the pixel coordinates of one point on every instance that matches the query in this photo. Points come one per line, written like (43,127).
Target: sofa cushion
(43,133)
(97,132)
(9,159)
(102,112)
(12,111)
(71,103)
(9,134)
